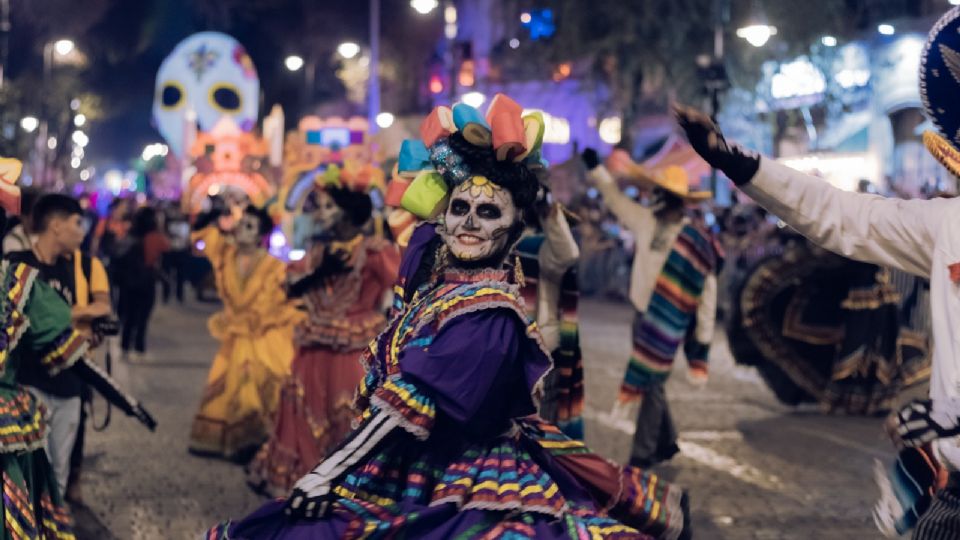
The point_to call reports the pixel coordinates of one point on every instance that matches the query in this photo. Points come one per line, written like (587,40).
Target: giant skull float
(208,74)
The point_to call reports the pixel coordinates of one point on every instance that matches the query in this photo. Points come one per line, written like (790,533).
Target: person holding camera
(81,281)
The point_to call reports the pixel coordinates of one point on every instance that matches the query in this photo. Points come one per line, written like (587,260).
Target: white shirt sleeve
(707,311)
(888,232)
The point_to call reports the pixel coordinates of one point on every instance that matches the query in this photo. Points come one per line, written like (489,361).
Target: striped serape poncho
(670,318)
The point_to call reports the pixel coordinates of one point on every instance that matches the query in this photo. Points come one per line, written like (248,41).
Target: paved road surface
(755,469)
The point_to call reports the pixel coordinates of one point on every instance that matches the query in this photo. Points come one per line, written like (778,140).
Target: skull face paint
(327,214)
(478,220)
(247,233)
(211,75)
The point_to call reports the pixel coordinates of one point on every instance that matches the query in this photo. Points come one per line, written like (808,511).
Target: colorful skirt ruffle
(315,412)
(532,483)
(32,507)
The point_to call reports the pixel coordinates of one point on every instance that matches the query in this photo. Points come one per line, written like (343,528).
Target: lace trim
(419,432)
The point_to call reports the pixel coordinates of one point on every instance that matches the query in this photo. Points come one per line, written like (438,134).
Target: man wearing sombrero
(918,236)
(673,287)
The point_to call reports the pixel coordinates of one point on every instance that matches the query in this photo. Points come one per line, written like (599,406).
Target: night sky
(126,40)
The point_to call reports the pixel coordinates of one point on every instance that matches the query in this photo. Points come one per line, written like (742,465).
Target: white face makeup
(247,232)
(327,214)
(479,219)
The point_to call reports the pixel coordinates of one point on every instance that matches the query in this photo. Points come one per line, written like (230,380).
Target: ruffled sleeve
(473,364)
(50,332)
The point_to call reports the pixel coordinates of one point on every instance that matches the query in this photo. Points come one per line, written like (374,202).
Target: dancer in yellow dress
(255,330)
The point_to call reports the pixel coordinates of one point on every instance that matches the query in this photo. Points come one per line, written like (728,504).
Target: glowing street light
(80,138)
(348,49)
(29,123)
(79,120)
(385,120)
(611,130)
(154,150)
(424,7)
(52,143)
(887,29)
(757,34)
(293,62)
(63,47)
(830,41)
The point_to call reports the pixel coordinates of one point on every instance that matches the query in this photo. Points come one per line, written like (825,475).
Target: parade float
(319,151)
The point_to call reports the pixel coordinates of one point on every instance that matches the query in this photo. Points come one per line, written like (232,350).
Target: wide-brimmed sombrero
(939,88)
(672,178)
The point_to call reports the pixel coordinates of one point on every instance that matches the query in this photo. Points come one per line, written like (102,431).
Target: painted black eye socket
(489,211)
(171,95)
(226,98)
(459,207)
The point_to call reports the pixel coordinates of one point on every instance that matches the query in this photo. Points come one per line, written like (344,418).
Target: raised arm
(888,232)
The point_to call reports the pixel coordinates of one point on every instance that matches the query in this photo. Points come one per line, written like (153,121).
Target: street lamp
(63,47)
(79,120)
(293,62)
(348,49)
(29,123)
(887,29)
(828,41)
(757,34)
(424,7)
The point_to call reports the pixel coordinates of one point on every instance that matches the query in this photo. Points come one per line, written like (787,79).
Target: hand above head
(590,158)
(739,164)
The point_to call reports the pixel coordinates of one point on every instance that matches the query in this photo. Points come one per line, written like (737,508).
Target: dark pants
(942,520)
(175,274)
(136,305)
(656,437)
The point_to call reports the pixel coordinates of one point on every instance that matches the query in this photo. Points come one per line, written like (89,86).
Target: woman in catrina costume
(448,444)
(36,326)
(347,276)
(255,330)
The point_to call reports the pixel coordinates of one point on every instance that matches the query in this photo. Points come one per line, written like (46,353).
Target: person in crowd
(673,288)
(136,271)
(446,445)
(91,220)
(18,235)
(548,256)
(175,261)
(255,330)
(82,282)
(343,293)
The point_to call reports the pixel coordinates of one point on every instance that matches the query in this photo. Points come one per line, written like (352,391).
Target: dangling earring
(518,270)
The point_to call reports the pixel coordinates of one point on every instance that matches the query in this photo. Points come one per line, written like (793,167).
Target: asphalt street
(754,468)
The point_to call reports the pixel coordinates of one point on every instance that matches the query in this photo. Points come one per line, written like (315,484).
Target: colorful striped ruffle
(659,331)
(401,400)
(500,477)
(21,423)
(64,351)
(56,520)
(18,280)
(18,513)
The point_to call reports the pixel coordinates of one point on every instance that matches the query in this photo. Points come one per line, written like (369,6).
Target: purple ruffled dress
(447,446)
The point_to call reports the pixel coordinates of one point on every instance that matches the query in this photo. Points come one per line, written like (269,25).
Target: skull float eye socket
(171,95)
(225,98)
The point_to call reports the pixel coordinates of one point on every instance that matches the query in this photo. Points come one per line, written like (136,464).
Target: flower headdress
(430,167)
